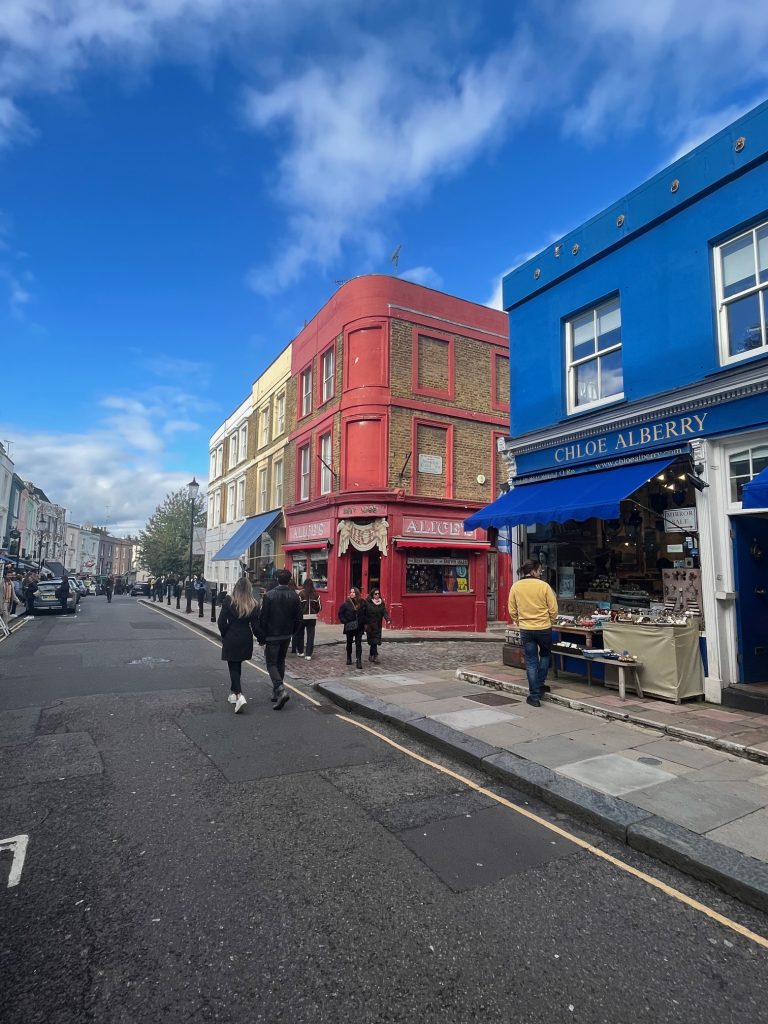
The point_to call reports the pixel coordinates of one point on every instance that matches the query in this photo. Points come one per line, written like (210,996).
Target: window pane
(738,464)
(738,266)
(744,325)
(762,252)
(611,375)
(583,328)
(759,460)
(586,383)
(609,325)
(737,487)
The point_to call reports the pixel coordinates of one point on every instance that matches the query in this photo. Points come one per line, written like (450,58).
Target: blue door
(750,559)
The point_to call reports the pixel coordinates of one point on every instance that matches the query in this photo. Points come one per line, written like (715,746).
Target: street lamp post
(193,487)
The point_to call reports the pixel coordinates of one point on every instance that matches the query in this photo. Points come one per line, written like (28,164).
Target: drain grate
(493,699)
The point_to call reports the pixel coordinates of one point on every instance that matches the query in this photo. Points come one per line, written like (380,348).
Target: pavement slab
(614,774)
(746,834)
(553,751)
(697,806)
(473,718)
(683,752)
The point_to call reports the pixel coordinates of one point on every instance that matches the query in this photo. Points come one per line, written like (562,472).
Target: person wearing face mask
(377,615)
(533,608)
(353,615)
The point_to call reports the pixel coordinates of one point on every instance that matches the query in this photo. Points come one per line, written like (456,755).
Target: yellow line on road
(656,883)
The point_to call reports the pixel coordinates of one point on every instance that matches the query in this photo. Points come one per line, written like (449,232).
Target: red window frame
(321,399)
(499,406)
(417,422)
(326,431)
(495,435)
(300,410)
(300,446)
(449,394)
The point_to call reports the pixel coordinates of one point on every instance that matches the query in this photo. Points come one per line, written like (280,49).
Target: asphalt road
(185,864)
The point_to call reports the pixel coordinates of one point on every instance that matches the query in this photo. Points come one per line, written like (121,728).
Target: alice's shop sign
(615,444)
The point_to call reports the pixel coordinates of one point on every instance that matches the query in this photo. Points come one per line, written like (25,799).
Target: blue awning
(249,532)
(755,493)
(571,497)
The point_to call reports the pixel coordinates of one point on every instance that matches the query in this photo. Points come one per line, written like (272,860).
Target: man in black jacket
(280,618)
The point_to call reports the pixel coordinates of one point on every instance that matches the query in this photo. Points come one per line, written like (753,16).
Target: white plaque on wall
(680,520)
(431,464)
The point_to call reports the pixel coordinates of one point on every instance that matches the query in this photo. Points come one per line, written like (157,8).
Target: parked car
(79,586)
(140,589)
(46,598)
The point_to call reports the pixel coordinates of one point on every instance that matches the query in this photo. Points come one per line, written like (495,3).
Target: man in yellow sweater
(533,607)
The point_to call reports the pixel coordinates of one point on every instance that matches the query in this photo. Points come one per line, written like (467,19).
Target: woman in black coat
(238,624)
(354,610)
(377,614)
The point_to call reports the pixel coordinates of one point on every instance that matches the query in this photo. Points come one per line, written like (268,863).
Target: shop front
(646,525)
(431,572)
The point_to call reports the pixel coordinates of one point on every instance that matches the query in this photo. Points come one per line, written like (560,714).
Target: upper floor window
(265,418)
(241,498)
(742,294)
(326,463)
(220,460)
(304,473)
(593,341)
(233,449)
(243,441)
(278,480)
(328,372)
(217,508)
(744,466)
(230,503)
(280,414)
(263,493)
(306,391)
(212,469)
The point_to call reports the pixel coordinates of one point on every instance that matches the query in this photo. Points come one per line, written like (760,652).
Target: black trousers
(200,602)
(235,672)
(274,658)
(358,639)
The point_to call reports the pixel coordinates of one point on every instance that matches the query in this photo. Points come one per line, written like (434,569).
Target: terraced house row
(361,450)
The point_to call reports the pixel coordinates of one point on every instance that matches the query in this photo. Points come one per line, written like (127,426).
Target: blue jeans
(537,645)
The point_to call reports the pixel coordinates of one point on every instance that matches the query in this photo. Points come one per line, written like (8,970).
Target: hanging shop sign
(680,520)
(319,530)
(442,528)
(603,451)
(363,536)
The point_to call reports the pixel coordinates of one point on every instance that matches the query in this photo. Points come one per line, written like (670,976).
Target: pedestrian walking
(377,616)
(310,608)
(353,615)
(29,588)
(157,593)
(109,587)
(201,587)
(63,591)
(7,595)
(170,587)
(238,624)
(281,617)
(533,608)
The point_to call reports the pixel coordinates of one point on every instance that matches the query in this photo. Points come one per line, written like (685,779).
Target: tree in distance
(165,538)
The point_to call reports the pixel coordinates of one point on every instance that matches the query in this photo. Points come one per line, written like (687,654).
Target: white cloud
(427,276)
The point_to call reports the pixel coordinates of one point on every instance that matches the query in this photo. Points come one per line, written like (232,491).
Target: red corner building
(401,395)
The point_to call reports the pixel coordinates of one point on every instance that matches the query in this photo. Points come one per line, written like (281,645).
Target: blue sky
(184,182)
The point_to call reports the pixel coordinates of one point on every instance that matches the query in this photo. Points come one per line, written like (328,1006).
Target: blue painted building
(639,402)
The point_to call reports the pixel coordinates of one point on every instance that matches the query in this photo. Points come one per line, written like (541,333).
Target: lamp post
(193,487)
(43,536)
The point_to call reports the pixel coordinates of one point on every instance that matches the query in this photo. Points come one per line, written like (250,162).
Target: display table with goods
(668,649)
(573,633)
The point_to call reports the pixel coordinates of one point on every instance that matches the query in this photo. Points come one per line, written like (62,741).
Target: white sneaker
(240,703)
(308,657)
(232,698)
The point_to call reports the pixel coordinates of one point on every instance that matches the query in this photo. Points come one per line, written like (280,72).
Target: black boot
(359,663)
(349,660)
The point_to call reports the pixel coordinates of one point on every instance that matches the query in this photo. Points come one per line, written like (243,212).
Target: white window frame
(596,356)
(760,288)
(329,373)
(326,456)
(278,483)
(233,449)
(280,414)
(220,460)
(230,502)
(241,498)
(212,469)
(263,488)
(243,442)
(749,446)
(304,476)
(264,425)
(217,507)
(306,391)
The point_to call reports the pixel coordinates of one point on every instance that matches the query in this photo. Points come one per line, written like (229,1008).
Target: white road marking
(19,846)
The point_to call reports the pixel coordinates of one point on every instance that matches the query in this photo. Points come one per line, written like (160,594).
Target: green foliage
(165,538)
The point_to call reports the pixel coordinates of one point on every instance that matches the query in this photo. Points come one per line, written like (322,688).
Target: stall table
(587,633)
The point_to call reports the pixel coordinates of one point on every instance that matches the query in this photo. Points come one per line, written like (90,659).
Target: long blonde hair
(242,598)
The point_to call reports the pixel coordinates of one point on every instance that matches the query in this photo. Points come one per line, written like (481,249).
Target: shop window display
(316,563)
(437,575)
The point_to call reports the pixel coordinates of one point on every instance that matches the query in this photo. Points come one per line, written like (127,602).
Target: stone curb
(676,731)
(735,873)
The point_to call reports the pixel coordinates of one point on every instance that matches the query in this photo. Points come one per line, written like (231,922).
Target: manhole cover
(649,760)
(493,699)
(150,662)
